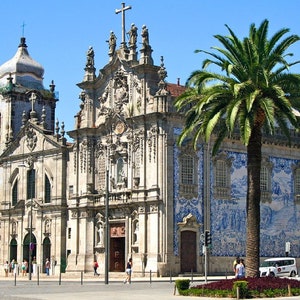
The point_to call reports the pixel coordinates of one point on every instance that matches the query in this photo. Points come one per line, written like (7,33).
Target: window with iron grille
(297,185)
(222,182)
(265,180)
(188,176)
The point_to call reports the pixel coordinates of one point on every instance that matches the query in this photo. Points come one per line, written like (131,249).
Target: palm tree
(254,93)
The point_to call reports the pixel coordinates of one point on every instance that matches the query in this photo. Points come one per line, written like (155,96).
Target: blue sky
(59,32)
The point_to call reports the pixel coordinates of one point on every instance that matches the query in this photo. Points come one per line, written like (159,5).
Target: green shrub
(182,285)
(243,288)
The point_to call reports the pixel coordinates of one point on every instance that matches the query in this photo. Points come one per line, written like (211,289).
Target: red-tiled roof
(175,89)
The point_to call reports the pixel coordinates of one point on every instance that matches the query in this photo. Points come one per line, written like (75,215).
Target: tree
(252,93)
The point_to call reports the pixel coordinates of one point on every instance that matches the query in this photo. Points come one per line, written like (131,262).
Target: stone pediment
(32,138)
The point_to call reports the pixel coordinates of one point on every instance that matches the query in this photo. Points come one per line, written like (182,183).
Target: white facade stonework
(161,197)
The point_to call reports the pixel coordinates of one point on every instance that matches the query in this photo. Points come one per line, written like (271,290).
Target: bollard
(150,277)
(170,276)
(38,275)
(238,293)
(81,278)
(192,275)
(59,279)
(15,279)
(289,290)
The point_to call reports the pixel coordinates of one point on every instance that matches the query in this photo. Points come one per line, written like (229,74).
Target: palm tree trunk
(253,203)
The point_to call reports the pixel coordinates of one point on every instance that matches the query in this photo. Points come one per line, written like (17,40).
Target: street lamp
(30,229)
(107,227)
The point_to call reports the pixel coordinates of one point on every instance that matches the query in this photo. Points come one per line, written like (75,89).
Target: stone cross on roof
(23,28)
(32,99)
(122,10)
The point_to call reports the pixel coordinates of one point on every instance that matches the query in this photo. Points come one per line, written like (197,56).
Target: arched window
(47,190)
(14,193)
(31,184)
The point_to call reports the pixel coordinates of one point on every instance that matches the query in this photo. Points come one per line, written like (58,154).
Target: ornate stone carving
(142,210)
(90,58)
(14,227)
(151,140)
(31,138)
(120,89)
(153,208)
(189,221)
(47,226)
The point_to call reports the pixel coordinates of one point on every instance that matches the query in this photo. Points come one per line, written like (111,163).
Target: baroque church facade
(122,187)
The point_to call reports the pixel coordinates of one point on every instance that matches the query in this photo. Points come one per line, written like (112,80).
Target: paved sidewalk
(86,286)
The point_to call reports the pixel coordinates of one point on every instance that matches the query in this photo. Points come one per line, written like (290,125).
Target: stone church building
(123,187)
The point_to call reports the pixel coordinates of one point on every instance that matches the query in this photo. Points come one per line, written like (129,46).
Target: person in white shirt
(240,269)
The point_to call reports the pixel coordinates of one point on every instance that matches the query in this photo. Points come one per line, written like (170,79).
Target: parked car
(278,267)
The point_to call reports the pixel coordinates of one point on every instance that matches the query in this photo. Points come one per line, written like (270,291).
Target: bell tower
(23,96)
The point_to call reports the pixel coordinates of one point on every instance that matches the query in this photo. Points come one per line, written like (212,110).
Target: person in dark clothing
(95,268)
(128,271)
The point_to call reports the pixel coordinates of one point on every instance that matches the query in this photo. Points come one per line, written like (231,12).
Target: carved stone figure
(90,57)
(112,43)
(145,37)
(100,234)
(132,36)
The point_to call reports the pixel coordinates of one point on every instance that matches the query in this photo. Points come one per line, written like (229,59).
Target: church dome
(23,69)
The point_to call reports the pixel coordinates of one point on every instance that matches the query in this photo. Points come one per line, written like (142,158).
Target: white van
(278,267)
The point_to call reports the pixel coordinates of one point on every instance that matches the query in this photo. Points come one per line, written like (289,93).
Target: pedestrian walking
(6,268)
(128,271)
(24,267)
(47,266)
(96,266)
(240,269)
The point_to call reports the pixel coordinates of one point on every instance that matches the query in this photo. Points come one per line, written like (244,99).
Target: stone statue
(90,57)
(112,43)
(145,37)
(100,234)
(132,36)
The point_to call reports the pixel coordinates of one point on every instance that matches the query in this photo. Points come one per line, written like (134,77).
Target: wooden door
(117,254)
(188,252)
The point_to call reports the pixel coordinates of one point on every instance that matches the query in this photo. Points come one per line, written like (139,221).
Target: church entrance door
(188,253)
(27,247)
(46,252)
(117,247)
(13,250)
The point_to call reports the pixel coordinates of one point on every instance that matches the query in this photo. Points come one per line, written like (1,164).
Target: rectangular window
(187,170)
(188,179)
(297,182)
(221,174)
(264,179)
(71,189)
(222,183)
(69,233)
